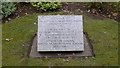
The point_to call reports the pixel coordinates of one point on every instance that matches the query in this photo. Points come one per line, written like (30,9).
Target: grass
(0,45)
(102,32)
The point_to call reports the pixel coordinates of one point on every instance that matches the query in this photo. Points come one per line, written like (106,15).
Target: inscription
(60,33)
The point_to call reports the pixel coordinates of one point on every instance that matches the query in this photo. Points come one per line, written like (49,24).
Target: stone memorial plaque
(60,33)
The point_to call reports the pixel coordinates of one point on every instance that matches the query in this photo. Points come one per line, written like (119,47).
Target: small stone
(69,57)
(86,57)
(6,21)
(59,54)
(88,11)
(73,53)
(109,16)
(23,45)
(35,23)
(93,11)
(103,15)
(81,11)
(20,11)
(78,9)
(26,13)
(18,16)
(9,19)
(7,39)
(115,17)
(83,6)
(70,12)
(65,60)
(104,32)
(66,11)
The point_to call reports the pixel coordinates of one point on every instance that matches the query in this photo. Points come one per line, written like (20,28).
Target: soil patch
(24,8)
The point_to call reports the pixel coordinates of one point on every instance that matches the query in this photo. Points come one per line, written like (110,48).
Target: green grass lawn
(102,32)
(0,45)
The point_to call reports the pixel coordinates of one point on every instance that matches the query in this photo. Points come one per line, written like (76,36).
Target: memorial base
(88,51)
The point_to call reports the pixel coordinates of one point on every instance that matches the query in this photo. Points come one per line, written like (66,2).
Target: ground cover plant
(46,6)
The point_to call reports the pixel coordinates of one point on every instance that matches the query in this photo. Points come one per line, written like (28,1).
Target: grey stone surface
(60,33)
(88,52)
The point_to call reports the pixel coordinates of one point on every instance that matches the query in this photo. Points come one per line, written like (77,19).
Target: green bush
(45,6)
(8,8)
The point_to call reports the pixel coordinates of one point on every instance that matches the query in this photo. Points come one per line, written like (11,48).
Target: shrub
(45,6)
(8,8)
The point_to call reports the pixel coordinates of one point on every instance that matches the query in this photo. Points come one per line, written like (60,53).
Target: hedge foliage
(7,8)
